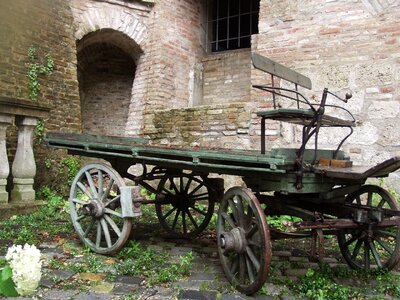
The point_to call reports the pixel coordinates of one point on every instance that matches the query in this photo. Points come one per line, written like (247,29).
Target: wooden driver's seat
(312,118)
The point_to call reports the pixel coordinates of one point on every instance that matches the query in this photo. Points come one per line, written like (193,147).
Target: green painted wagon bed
(320,190)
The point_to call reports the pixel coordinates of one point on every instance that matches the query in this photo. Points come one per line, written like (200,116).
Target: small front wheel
(96,209)
(244,242)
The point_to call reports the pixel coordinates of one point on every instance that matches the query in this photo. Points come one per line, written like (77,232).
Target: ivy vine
(36,68)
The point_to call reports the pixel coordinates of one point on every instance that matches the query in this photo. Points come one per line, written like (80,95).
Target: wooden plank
(74,138)
(361,173)
(118,147)
(267,65)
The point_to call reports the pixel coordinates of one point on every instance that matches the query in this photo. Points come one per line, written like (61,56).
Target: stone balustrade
(24,114)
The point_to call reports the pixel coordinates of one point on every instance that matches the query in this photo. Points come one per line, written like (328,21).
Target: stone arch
(122,21)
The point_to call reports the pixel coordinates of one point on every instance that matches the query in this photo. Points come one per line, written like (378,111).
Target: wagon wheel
(371,247)
(244,243)
(96,213)
(186,208)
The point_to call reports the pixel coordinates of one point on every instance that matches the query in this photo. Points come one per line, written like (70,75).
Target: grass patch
(48,223)
(339,283)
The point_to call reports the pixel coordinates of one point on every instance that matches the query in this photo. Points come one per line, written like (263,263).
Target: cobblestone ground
(206,280)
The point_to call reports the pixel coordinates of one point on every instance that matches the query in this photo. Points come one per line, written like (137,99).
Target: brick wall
(226,77)
(47,26)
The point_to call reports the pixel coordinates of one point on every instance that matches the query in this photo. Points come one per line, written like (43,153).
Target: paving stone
(102,287)
(156,248)
(180,250)
(58,294)
(196,295)
(164,293)
(190,284)
(282,253)
(128,280)
(299,259)
(233,297)
(263,297)
(201,276)
(51,277)
(329,260)
(124,289)
(295,272)
(92,296)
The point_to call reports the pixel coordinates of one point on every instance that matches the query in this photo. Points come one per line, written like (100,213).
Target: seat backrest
(265,64)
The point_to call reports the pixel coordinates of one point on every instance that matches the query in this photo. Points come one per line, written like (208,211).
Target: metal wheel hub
(93,209)
(235,240)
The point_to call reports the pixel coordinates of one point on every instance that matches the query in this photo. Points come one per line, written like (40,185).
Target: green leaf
(7,286)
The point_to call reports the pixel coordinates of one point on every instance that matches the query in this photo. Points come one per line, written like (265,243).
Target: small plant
(35,69)
(40,130)
(71,165)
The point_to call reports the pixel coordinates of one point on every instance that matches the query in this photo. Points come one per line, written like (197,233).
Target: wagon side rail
(136,150)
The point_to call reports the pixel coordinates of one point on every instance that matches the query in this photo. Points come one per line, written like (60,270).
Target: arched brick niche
(106,72)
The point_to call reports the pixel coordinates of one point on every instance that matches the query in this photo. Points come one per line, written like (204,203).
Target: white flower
(26,268)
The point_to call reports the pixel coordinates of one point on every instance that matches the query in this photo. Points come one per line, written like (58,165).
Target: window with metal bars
(231,23)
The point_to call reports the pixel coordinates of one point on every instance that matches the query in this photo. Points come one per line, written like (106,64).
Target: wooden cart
(319,187)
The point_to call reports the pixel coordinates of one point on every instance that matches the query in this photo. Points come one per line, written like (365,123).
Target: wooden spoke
(173,185)
(108,190)
(85,190)
(234,210)
(106,232)
(89,228)
(78,201)
(196,189)
(354,238)
(78,219)
(375,255)
(227,218)
(176,219)
(91,184)
(356,250)
(169,213)
(252,231)
(187,187)
(113,225)
(253,258)
(192,219)
(98,235)
(367,260)
(100,184)
(113,200)
(250,270)
(184,222)
(384,245)
(112,212)
(202,212)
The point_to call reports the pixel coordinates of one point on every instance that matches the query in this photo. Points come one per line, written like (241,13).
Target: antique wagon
(320,188)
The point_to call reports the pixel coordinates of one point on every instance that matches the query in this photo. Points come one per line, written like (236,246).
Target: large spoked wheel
(244,242)
(372,247)
(186,207)
(96,213)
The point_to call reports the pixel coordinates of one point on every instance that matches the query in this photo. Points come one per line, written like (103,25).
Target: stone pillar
(24,166)
(5,121)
